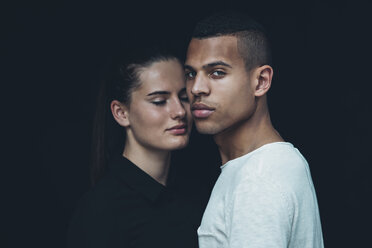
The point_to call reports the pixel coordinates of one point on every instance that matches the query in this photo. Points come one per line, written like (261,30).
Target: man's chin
(205,128)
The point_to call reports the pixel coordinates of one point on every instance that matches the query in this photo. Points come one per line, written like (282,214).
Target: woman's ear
(264,77)
(120,113)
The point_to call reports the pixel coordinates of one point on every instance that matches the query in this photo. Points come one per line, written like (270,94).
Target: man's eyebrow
(188,67)
(158,93)
(209,65)
(217,63)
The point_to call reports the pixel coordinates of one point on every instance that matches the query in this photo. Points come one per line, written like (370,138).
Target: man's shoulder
(281,157)
(276,163)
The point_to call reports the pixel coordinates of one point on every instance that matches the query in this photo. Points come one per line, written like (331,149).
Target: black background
(53,54)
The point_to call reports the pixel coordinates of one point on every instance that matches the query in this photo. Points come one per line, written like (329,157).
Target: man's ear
(120,113)
(264,77)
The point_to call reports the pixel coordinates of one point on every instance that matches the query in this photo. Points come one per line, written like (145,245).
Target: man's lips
(200,110)
(178,129)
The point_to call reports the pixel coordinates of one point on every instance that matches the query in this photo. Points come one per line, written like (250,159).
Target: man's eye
(218,73)
(190,74)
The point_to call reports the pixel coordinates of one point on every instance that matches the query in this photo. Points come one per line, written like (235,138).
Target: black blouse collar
(134,177)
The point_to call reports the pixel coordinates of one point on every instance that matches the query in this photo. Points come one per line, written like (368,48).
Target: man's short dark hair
(253,43)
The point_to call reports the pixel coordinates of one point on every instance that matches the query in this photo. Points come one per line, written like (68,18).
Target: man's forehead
(212,49)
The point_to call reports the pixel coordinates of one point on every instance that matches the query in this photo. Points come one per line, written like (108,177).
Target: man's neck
(246,137)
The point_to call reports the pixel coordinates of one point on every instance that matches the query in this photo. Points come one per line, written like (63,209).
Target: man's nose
(200,86)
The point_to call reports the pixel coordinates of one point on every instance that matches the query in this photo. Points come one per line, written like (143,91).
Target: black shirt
(128,208)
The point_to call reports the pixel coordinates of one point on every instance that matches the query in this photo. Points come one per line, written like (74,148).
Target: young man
(264,196)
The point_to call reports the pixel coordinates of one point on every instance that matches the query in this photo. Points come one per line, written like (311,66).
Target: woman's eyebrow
(159,93)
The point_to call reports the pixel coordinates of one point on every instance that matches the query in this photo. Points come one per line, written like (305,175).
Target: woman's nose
(178,110)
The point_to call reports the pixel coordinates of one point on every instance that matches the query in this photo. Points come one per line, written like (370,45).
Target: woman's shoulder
(100,212)
(107,195)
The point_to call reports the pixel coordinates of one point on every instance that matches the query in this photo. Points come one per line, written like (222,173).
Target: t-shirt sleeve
(258,215)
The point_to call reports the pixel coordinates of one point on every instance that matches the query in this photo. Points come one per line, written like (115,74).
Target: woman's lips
(178,130)
(200,110)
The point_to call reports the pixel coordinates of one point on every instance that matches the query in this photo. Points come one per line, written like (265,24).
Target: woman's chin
(179,144)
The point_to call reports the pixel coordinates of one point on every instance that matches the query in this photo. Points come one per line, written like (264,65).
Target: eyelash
(159,103)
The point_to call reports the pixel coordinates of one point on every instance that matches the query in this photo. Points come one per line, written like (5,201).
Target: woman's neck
(154,162)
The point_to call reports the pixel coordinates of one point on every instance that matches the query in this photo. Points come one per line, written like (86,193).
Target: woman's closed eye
(183,95)
(158,102)
(184,98)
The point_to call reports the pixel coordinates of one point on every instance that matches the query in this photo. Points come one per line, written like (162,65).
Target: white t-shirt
(266,199)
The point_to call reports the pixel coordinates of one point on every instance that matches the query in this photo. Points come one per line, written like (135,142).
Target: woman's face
(159,113)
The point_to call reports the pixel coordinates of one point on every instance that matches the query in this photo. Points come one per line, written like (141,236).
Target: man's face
(220,89)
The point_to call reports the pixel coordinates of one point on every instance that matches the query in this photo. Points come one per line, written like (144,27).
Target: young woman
(132,205)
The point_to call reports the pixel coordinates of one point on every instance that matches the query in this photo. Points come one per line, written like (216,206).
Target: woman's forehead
(165,75)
